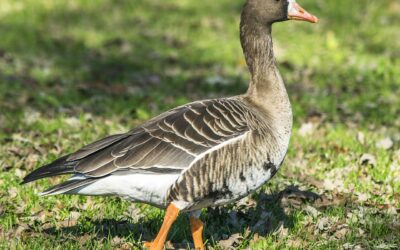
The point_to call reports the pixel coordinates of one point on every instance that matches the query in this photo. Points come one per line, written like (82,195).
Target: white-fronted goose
(206,153)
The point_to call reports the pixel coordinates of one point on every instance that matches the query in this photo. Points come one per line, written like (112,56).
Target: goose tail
(58,167)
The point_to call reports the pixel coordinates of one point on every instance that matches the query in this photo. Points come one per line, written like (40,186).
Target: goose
(202,154)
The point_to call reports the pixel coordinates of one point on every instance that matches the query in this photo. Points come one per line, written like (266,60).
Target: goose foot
(170,217)
(153,246)
(196,226)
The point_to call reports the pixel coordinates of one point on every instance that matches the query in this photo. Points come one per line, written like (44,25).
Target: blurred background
(75,71)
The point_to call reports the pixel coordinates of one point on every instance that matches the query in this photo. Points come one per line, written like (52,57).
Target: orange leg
(197,232)
(170,217)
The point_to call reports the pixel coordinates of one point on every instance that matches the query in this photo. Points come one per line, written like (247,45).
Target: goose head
(271,11)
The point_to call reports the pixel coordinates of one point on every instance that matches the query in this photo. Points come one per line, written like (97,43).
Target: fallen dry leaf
(295,243)
(116,241)
(126,246)
(386,143)
(87,205)
(22,227)
(362,197)
(72,122)
(230,242)
(340,234)
(348,246)
(322,223)
(334,184)
(247,202)
(41,216)
(368,159)
(312,211)
(294,197)
(306,129)
(134,213)
(361,137)
(330,200)
(67,223)
(386,246)
(282,231)
(74,215)
(13,192)
(20,173)
(83,239)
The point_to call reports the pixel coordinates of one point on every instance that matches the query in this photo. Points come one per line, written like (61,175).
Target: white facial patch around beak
(291,8)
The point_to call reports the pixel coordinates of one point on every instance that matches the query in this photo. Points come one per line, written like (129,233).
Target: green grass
(75,71)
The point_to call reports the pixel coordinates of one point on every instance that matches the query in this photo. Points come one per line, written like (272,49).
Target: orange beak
(296,12)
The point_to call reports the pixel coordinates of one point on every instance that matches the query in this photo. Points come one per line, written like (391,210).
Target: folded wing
(168,143)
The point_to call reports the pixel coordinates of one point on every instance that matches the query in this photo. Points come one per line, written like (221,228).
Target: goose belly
(224,176)
(235,188)
(147,188)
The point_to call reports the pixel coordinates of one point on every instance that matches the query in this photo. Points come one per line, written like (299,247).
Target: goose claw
(148,244)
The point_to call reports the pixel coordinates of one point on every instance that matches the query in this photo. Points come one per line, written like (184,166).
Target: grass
(75,71)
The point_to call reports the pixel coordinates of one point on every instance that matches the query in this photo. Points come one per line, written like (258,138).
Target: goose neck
(266,82)
(266,89)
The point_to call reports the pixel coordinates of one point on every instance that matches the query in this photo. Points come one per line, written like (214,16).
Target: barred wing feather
(168,142)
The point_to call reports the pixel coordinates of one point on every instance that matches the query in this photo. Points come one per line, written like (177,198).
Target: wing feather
(168,142)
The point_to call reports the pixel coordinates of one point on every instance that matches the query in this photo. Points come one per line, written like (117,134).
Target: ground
(75,71)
